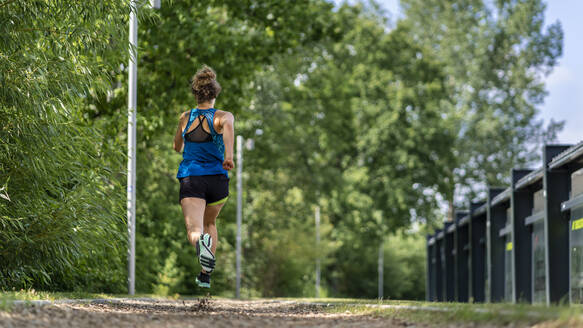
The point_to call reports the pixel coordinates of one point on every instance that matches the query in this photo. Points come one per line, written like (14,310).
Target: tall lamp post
(132,101)
(317,217)
(132,109)
(239,216)
(380,269)
(248,144)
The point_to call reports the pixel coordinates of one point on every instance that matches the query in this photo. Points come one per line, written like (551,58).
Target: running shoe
(205,256)
(203,280)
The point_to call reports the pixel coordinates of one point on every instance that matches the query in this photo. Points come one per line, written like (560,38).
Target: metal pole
(318,247)
(155,4)
(381,267)
(239,212)
(132,108)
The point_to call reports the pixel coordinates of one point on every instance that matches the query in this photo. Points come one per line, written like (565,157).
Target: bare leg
(210,227)
(193,209)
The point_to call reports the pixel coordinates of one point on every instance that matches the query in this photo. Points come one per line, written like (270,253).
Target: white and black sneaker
(203,280)
(205,255)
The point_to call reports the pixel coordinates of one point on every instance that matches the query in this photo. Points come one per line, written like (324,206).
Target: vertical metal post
(428,285)
(462,260)
(381,267)
(318,247)
(521,204)
(477,254)
(557,186)
(239,213)
(132,108)
(449,261)
(495,248)
(438,266)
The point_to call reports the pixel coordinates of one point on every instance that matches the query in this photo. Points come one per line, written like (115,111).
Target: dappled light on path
(189,313)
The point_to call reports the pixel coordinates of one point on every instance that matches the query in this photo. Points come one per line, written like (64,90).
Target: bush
(61,214)
(404,266)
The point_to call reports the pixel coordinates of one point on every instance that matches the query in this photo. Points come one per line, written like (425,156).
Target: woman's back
(203,146)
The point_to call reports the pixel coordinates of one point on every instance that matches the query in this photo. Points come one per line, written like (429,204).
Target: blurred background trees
(378,123)
(495,55)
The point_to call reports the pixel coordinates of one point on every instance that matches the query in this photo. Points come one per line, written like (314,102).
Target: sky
(565,84)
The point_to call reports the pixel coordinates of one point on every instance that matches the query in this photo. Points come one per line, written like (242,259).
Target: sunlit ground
(500,314)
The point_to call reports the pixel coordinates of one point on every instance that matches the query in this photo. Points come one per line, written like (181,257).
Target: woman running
(206,135)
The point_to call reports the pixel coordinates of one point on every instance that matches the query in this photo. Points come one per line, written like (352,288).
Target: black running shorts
(212,188)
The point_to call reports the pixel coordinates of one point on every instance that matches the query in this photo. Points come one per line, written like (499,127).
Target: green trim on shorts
(218,202)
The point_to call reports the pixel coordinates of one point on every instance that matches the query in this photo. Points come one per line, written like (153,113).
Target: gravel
(202,312)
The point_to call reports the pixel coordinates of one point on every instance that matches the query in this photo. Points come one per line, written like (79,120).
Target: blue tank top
(202,157)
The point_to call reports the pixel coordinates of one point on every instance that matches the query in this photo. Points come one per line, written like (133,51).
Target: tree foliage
(62,206)
(496,55)
(360,117)
(235,38)
(370,122)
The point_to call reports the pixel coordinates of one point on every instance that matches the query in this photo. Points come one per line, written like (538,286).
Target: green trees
(372,124)
(237,39)
(62,202)
(353,124)
(495,55)
(404,266)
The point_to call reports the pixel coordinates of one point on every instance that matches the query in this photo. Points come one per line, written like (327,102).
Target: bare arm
(178,141)
(227,122)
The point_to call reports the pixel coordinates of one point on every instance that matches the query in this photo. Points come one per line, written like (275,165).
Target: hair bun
(204,84)
(204,76)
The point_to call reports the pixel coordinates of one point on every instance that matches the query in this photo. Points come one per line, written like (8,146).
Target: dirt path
(189,313)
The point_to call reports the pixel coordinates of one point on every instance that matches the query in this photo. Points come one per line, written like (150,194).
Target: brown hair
(204,85)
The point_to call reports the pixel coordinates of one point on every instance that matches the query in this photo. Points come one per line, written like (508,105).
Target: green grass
(29,295)
(497,314)
(6,297)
